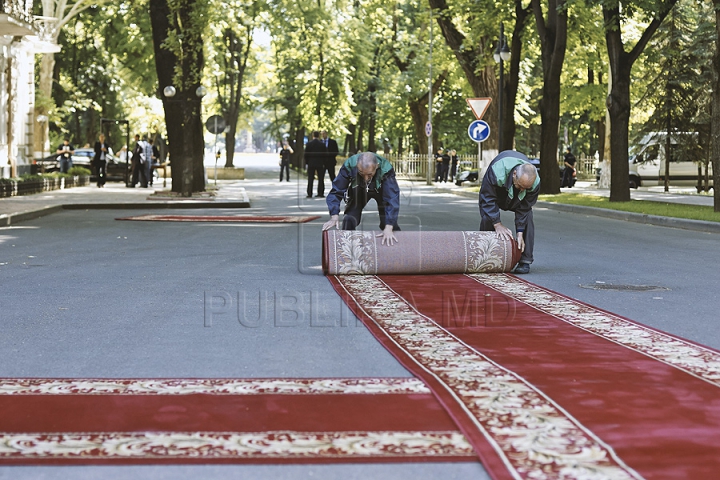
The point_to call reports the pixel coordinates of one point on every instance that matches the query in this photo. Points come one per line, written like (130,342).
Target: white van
(647,167)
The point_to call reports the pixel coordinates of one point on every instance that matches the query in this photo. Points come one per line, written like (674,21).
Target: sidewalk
(229,194)
(682,195)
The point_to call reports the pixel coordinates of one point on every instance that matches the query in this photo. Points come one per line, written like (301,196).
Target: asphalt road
(86,295)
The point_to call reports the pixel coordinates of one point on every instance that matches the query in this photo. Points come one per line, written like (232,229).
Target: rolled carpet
(356,252)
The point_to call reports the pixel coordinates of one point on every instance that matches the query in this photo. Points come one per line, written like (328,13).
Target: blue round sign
(428,128)
(479,131)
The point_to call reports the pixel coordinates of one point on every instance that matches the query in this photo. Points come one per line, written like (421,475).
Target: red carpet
(110,421)
(224,218)
(544,386)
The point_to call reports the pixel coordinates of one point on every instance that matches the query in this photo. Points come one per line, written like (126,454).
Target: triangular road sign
(479,106)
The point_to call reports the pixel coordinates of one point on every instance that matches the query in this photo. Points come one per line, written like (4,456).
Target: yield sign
(478,106)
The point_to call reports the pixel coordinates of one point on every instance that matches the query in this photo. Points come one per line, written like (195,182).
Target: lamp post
(42,120)
(502,53)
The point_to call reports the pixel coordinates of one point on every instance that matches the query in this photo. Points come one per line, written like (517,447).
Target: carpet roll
(362,253)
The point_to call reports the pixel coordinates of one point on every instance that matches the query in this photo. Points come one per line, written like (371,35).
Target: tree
(553,40)
(715,129)
(236,22)
(178,27)
(56,13)
(621,63)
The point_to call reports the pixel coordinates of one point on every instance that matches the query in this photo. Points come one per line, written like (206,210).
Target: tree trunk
(182,112)
(350,140)
(553,39)
(298,157)
(482,79)
(419,113)
(715,122)
(40,130)
(230,143)
(618,102)
(512,80)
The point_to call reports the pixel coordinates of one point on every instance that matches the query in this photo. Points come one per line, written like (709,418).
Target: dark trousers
(318,168)
(444,172)
(330,167)
(357,200)
(139,174)
(486,225)
(285,167)
(567,178)
(438,171)
(100,167)
(453,171)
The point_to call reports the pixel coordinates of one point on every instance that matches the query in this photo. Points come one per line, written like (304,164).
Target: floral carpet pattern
(533,436)
(266,420)
(224,218)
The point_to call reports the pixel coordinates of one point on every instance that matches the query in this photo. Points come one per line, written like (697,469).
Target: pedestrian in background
(315,153)
(569,174)
(65,152)
(102,150)
(454,164)
(438,164)
(285,153)
(138,165)
(332,152)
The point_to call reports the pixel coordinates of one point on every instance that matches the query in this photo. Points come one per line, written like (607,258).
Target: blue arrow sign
(479,131)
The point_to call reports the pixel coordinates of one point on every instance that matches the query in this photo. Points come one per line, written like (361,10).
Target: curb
(672,222)
(11,219)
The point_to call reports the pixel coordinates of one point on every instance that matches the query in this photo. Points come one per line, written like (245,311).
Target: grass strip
(647,207)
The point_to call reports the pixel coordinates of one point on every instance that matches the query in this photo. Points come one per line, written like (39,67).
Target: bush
(79,171)
(29,177)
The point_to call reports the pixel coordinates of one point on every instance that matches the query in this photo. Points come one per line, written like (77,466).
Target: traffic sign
(215,124)
(479,131)
(479,106)
(428,128)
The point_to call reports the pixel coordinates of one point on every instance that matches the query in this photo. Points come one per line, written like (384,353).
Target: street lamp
(502,53)
(42,120)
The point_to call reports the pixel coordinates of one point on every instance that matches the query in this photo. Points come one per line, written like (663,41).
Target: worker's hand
(502,231)
(388,237)
(521,242)
(333,222)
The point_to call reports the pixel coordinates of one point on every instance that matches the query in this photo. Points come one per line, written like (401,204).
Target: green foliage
(676,210)
(78,171)
(188,23)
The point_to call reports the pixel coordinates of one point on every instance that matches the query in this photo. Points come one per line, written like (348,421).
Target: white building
(21,37)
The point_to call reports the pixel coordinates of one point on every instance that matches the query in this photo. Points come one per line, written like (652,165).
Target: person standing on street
(285,153)
(569,174)
(138,165)
(511,183)
(332,152)
(453,167)
(102,150)
(65,152)
(315,153)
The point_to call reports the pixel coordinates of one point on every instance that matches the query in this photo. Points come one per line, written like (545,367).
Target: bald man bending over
(363,177)
(511,183)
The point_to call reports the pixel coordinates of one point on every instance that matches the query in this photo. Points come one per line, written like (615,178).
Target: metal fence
(415,165)
(19,9)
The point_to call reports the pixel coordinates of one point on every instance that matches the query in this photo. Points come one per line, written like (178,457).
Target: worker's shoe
(522,268)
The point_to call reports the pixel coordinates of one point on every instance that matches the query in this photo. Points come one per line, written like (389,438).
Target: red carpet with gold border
(224,218)
(544,386)
(121,421)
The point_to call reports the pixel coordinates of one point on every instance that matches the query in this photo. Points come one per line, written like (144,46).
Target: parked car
(82,157)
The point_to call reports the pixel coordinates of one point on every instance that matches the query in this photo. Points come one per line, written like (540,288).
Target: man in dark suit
(315,154)
(332,152)
(102,151)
